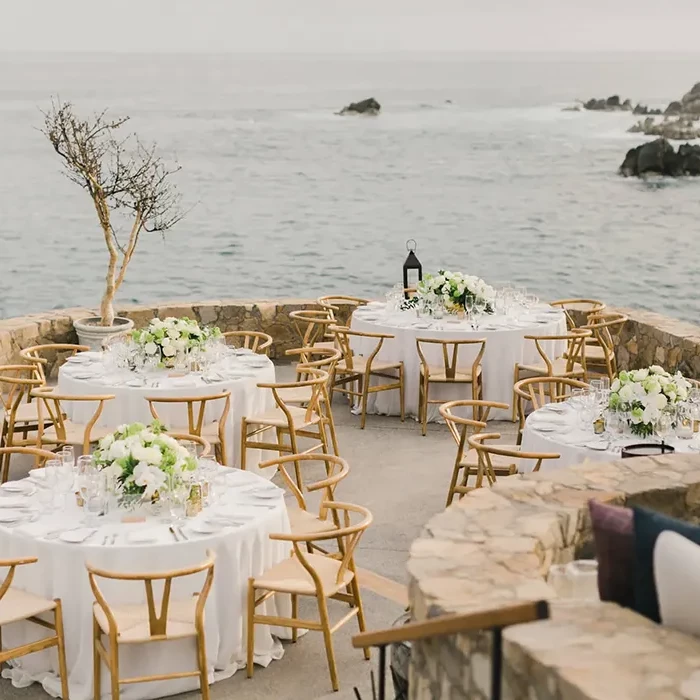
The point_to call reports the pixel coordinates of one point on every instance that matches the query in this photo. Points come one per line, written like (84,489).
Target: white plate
(204,527)
(85,375)
(545,428)
(78,359)
(12,516)
(142,536)
(138,383)
(13,502)
(265,495)
(76,536)
(598,446)
(18,487)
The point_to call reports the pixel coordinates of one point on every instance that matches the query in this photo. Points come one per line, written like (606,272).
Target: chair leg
(295,606)
(244,442)
(402,396)
(114,670)
(355,587)
(202,665)
(328,641)
(62,666)
(516,375)
(365,395)
(453,483)
(424,406)
(250,629)
(331,427)
(96,662)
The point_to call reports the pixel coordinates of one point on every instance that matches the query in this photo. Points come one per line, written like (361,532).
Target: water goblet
(94,498)
(178,493)
(65,481)
(51,469)
(663,427)
(68,456)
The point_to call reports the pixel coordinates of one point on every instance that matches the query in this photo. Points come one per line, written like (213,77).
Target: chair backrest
(157,617)
(450,354)
(336,470)
(39,356)
(461,427)
(12,564)
(197,440)
(257,341)
(324,359)
(312,325)
(343,336)
(348,534)
(606,328)
(317,381)
(540,391)
(40,457)
(575,347)
(196,409)
(485,452)
(49,408)
(333,302)
(570,307)
(16,385)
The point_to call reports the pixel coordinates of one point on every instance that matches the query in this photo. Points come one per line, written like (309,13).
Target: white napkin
(13,502)
(182,382)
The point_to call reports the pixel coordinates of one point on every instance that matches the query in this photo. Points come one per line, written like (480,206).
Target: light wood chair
(202,445)
(315,575)
(17,606)
(451,371)
(301,519)
(214,432)
(288,420)
(486,454)
(539,391)
(572,307)
(467,460)
(600,350)
(257,341)
(36,355)
(320,358)
(312,327)
(149,623)
(572,364)
(359,370)
(332,304)
(62,430)
(40,457)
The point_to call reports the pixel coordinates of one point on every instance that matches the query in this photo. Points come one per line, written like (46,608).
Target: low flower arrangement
(165,338)
(456,290)
(645,394)
(142,459)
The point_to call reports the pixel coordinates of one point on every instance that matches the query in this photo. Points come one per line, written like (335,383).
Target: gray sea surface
(285,198)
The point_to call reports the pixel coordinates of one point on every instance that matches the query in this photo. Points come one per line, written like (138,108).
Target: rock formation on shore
(611,104)
(690,103)
(681,129)
(370,106)
(661,158)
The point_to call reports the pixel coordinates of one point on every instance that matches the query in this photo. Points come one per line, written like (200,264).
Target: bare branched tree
(118,174)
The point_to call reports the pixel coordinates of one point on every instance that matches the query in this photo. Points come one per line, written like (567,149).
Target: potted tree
(131,190)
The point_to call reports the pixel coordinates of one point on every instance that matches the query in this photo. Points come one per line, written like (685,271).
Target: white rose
(656,369)
(151,455)
(626,393)
(150,348)
(615,386)
(174,334)
(640,375)
(179,344)
(106,442)
(169,351)
(117,450)
(150,477)
(165,342)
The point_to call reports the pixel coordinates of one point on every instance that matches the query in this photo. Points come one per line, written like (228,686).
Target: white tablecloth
(563,434)
(241,552)
(505,346)
(130,405)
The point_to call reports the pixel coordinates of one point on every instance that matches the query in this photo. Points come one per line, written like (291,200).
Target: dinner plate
(12,516)
(13,502)
(205,527)
(598,446)
(146,536)
(18,487)
(545,428)
(78,359)
(76,536)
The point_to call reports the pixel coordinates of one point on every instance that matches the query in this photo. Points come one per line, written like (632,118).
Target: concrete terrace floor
(402,477)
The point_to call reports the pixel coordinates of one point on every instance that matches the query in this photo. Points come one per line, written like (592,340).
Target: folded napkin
(182,382)
(551,418)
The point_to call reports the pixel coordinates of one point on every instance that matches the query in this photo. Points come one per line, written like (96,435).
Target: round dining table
(235,528)
(557,429)
(238,372)
(506,345)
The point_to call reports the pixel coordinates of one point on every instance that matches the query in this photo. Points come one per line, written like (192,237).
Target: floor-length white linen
(565,436)
(505,346)
(130,405)
(241,552)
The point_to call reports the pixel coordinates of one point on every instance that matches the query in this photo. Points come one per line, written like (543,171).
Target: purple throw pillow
(613,533)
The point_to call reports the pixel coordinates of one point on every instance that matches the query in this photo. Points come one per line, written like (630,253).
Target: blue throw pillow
(648,525)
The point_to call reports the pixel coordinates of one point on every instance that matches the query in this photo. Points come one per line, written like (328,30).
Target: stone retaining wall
(230,315)
(495,547)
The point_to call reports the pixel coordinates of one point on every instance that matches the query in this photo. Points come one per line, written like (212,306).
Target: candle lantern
(412,269)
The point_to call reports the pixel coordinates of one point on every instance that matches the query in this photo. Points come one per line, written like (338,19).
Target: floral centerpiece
(142,459)
(165,338)
(456,290)
(645,394)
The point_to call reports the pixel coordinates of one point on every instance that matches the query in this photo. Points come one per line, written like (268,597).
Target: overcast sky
(349,25)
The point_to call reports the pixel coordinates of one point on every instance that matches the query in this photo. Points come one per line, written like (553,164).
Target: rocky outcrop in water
(610,104)
(681,129)
(690,103)
(370,106)
(661,158)
(643,109)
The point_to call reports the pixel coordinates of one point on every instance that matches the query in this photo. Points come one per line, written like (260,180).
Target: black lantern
(412,263)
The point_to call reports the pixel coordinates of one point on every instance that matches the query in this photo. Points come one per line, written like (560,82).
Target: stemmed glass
(664,426)
(178,493)
(478,310)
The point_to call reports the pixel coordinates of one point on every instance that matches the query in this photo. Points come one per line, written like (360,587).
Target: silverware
(182,533)
(174,533)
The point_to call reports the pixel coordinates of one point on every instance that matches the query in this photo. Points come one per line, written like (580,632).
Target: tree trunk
(106,307)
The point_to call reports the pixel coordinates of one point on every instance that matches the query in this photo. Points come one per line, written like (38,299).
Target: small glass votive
(559,579)
(583,574)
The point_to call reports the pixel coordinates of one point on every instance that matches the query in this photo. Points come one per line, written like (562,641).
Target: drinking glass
(51,476)
(181,361)
(207,468)
(150,365)
(684,423)
(68,456)
(664,426)
(559,579)
(94,498)
(583,575)
(178,493)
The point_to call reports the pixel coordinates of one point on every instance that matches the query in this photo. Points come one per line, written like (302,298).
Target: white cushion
(677,575)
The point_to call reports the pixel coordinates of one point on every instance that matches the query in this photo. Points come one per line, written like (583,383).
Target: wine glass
(663,426)
(178,493)
(68,456)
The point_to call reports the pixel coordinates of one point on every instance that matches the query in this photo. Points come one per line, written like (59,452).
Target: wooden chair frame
(333,302)
(40,457)
(360,378)
(312,326)
(50,401)
(575,354)
(312,414)
(485,452)
(569,305)
(350,534)
(196,439)
(32,355)
(606,329)
(257,341)
(158,624)
(196,411)
(461,428)
(540,391)
(450,359)
(56,640)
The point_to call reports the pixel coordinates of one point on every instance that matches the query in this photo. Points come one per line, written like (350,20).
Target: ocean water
(284,198)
